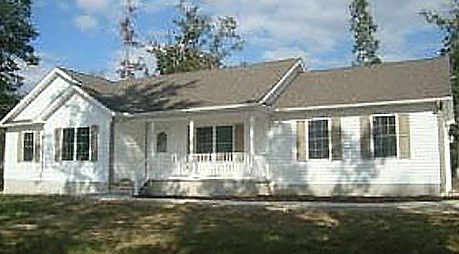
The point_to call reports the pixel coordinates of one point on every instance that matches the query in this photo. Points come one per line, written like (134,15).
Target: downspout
(147,127)
(111,154)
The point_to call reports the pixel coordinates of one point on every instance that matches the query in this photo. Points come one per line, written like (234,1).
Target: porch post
(153,139)
(191,141)
(147,125)
(252,134)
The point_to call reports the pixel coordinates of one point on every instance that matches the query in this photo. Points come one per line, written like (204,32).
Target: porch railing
(208,166)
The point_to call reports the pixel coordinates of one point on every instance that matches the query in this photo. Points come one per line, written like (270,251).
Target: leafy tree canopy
(16,34)
(448,23)
(199,42)
(363,28)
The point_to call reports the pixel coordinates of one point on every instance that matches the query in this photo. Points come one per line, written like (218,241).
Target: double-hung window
(217,139)
(319,139)
(384,130)
(82,139)
(68,138)
(28,146)
(78,144)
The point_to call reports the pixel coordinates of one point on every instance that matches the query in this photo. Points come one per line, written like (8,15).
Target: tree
(448,23)
(128,66)
(16,34)
(363,28)
(200,42)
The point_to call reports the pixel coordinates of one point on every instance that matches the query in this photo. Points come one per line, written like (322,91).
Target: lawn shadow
(260,230)
(70,225)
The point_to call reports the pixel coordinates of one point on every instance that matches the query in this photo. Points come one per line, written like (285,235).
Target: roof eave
(184,112)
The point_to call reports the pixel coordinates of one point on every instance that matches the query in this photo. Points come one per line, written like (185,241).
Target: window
(217,139)
(82,151)
(76,144)
(224,139)
(318,139)
(68,137)
(161,143)
(28,146)
(384,136)
(204,140)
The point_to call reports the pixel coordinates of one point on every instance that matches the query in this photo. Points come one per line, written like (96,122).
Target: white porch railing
(208,166)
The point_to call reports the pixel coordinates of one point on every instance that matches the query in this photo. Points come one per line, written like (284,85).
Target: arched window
(161,143)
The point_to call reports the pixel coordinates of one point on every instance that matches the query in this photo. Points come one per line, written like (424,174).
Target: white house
(265,129)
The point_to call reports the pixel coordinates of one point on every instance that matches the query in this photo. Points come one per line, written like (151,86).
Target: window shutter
(37,148)
(239,142)
(404,135)
(337,150)
(20,151)
(300,141)
(365,137)
(57,144)
(94,142)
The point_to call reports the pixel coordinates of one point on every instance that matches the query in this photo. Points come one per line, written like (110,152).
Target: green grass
(41,224)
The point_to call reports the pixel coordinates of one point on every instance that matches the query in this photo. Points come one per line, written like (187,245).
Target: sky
(82,34)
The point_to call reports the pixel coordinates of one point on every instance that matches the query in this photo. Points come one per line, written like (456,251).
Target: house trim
(167,113)
(35,92)
(280,85)
(365,104)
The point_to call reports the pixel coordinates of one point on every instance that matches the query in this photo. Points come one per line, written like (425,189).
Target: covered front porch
(191,150)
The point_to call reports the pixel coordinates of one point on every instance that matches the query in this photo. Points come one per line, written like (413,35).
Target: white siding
(176,132)
(45,98)
(61,175)
(421,168)
(129,158)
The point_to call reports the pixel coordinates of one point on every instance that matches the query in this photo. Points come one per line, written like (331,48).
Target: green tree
(448,23)
(363,29)
(199,42)
(16,34)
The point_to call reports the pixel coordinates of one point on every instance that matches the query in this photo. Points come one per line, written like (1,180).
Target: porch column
(252,134)
(153,139)
(191,141)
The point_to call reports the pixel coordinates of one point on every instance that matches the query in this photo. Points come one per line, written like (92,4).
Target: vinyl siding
(45,98)
(129,159)
(50,176)
(421,168)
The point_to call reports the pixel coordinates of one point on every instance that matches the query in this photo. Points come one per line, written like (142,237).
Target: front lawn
(70,225)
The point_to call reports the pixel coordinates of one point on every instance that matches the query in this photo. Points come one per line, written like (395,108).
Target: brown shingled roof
(185,90)
(418,79)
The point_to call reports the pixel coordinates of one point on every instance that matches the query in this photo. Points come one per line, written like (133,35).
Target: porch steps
(205,188)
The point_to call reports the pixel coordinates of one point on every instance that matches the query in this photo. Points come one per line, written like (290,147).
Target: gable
(41,96)
(76,110)
(44,99)
(48,96)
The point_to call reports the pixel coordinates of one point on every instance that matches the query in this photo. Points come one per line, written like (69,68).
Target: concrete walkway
(449,206)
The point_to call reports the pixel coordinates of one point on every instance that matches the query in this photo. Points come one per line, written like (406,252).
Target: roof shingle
(418,79)
(185,90)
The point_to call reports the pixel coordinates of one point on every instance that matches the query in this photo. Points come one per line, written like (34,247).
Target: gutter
(187,111)
(365,104)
